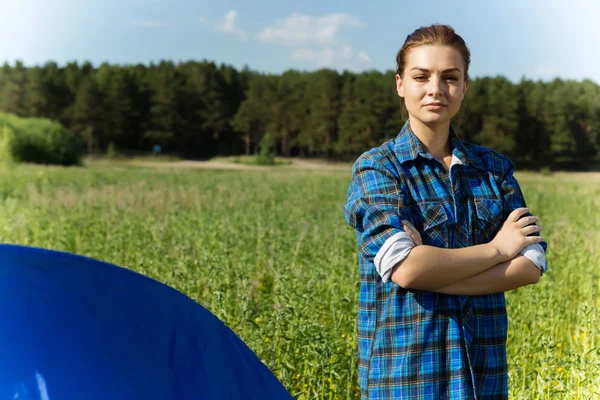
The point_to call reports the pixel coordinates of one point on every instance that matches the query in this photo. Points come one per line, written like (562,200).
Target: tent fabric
(76,328)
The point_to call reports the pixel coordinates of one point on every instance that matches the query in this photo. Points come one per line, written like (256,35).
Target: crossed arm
(372,205)
(482,269)
(501,277)
(508,275)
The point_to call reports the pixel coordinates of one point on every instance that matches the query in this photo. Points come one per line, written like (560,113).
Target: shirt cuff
(536,254)
(394,250)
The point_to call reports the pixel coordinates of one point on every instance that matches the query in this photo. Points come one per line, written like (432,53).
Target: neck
(435,138)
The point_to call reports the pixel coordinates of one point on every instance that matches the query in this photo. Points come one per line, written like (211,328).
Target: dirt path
(195,164)
(296,164)
(303,164)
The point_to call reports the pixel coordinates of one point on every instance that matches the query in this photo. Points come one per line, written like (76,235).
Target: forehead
(434,58)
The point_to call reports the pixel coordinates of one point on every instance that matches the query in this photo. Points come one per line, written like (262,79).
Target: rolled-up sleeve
(373,207)
(537,255)
(394,250)
(513,198)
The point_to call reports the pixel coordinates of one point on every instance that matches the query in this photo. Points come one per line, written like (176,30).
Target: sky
(535,39)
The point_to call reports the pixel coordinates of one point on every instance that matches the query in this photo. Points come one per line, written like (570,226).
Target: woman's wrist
(494,253)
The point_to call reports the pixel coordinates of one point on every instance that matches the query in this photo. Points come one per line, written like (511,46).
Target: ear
(399,86)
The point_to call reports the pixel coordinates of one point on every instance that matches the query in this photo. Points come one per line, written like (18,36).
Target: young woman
(442,233)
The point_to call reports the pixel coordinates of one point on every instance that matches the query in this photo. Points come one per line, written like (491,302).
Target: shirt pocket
(489,219)
(432,223)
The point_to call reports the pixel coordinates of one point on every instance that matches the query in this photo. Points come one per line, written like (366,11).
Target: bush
(37,140)
(6,137)
(266,156)
(546,171)
(111,152)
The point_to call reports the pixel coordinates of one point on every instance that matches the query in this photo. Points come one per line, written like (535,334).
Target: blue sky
(533,38)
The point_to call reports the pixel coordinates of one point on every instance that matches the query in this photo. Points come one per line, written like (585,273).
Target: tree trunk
(284,149)
(90,139)
(247,141)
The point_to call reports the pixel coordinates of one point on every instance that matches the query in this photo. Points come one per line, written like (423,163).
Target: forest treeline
(201,109)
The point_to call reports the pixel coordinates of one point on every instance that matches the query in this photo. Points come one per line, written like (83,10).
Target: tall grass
(270,254)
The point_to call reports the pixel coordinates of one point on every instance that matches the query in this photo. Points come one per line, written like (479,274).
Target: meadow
(268,252)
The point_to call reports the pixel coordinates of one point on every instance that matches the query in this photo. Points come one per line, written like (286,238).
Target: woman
(442,233)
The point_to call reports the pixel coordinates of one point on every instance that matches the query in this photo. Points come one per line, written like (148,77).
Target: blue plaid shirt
(416,344)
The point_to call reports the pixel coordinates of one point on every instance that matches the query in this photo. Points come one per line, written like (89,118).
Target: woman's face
(432,84)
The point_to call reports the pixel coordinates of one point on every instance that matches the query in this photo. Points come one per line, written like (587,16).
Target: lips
(435,105)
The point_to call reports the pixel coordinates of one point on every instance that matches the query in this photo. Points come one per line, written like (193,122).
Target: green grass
(270,254)
(95,159)
(250,160)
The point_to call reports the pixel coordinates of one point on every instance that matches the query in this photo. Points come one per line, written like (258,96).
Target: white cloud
(228,25)
(346,52)
(362,56)
(314,39)
(147,23)
(323,57)
(301,30)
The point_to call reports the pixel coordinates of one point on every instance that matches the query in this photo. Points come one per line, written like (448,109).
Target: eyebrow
(426,70)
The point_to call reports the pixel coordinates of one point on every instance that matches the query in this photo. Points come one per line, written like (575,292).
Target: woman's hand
(413,233)
(513,236)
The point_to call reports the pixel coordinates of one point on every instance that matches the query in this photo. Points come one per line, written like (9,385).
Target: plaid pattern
(415,344)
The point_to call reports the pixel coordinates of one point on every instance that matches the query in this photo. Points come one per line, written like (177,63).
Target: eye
(451,78)
(420,78)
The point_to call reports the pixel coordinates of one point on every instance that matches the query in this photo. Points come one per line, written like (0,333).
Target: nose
(435,87)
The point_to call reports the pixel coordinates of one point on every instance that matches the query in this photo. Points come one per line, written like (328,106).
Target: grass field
(269,252)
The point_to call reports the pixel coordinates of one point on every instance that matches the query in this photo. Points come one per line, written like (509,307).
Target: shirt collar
(408,147)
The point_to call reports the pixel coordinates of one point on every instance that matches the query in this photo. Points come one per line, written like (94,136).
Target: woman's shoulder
(492,160)
(381,157)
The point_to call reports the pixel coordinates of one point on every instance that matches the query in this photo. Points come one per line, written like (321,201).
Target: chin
(432,119)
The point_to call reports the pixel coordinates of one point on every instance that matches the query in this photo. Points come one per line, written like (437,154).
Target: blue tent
(75,328)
